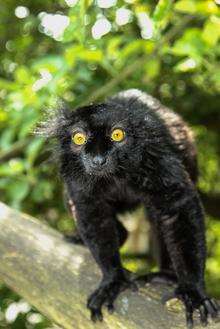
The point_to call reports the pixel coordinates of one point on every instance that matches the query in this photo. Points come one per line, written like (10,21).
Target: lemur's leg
(99,231)
(166,273)
(180,216)
(75,238)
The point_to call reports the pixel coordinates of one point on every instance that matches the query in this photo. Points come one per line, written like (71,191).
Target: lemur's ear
(54,120)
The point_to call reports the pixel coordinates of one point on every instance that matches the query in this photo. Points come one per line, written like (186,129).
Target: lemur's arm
(97,227)
(70,207)
(181,219)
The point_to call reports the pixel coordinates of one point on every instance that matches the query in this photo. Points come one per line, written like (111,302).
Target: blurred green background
(83,51)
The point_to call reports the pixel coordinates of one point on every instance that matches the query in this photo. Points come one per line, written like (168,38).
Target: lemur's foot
(164,277)
(194,300)
(106,295)
(74,238)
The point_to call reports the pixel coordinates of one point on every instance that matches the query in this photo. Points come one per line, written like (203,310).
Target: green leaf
(13,168)
(114,46)
(152,67)
(3,116)
(17,191)
(22,75)
(186,6)
(28,123)
(33,150)
(71,33)
(186,65)
(190,44)
(52,63)
(70,55)
(211,31)
(132,48)
(6,84)
(75,31)
(80,52)
(90,55)
(7,137)
(42,191)
(161,16)
(205,7)
(162,10)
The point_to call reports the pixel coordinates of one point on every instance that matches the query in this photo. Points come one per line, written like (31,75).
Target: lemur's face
(97,146)
(100,141)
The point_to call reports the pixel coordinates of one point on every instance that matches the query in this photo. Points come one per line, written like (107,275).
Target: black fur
(154,165)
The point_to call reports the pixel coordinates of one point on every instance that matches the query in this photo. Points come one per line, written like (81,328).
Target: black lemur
(116,155)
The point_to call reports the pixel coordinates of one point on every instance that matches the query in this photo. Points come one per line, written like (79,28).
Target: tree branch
(56,278)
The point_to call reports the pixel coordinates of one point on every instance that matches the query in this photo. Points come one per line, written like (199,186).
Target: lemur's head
(101,140)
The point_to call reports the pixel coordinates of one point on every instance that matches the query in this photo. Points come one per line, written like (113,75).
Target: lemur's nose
(98,160)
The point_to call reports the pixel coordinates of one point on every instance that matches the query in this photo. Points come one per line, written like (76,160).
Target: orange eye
(79,138)
(117,135)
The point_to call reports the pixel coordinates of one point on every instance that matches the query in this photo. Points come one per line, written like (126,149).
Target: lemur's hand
(106,294)
(193,300)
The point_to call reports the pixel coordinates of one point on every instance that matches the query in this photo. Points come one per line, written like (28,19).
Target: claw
(96,315)
(110,308)
(215,305)
(106,295)
(110,304)
(209,307)
(189,323)
(203,315)
(189,314)
(206,307)
(100,316)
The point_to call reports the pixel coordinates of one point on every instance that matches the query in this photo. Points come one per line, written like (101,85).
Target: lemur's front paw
(194,300)
(106,295)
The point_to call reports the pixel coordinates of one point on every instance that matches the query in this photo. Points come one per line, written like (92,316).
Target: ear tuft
(54,120)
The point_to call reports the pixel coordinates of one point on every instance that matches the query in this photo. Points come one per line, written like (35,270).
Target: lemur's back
(178,129)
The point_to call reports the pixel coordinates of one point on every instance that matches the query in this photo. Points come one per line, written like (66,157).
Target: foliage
(82,51)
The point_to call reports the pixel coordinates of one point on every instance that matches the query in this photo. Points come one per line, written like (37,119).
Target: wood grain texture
(56,277)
